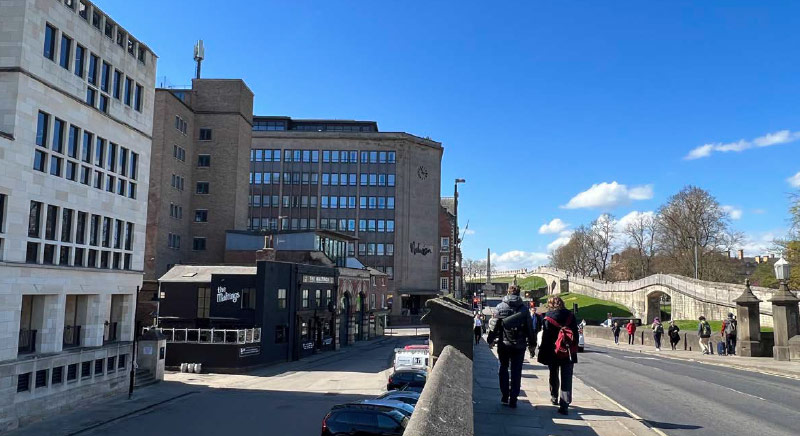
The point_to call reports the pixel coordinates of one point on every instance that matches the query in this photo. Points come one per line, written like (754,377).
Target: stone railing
(445,406)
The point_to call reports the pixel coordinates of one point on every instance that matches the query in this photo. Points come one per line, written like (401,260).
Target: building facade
(201,149)
(76,114)
(380,187)
(449,252)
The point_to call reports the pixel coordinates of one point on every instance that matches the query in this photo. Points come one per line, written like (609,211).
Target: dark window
(86,150)
(201,216)
(204,160)
(42,126)
(41,378)
(137,98)
(83,9)
(32,253)
(50,42)
(2,210)
(134,166)
(280,334)
(91,96)
(98,366)
(49,254)
(109,29)
(96,19)
(80,58)
(202,188)
(24,382)
(71,171)
(122,359)
(55,166)
(80,231)
(111,364)
(57,375)
(123,161)
(86,369)
(66,225)
(72,141)
(58,136)
(198,244)
(34,220)
(72,372)
(142,54)
(66,51)
(205,134)
(129,236)
(103,103)
(281,298)
(128,90)
(112,156)
(117,84)
(105,76)
(92,75)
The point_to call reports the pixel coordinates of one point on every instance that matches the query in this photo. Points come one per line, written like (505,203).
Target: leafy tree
(764,275)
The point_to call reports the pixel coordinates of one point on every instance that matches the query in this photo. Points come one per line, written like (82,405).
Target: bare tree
(693,216)
(574,256)
(641,234)
(474,267)
(600,240)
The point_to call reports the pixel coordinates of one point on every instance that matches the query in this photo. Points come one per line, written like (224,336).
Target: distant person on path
(674,334)
(729,333)
(615,329)
(559,351)
(658,332)
(704,331)
(478,328)
(631,328)
(512,328)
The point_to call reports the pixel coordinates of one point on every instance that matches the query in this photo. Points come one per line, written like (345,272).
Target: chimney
(758,259)
(741,254)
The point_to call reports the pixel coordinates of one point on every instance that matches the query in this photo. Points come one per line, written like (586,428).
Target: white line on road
(641,358)
(743,393)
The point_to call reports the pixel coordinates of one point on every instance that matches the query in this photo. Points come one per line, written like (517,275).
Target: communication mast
(199,55)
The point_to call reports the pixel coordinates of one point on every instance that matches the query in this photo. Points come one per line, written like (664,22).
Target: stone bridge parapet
(689,298)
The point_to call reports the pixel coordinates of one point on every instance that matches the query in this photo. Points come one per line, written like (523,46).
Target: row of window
(55,376)
(93,71)
(332,202)
(104,24)
(175,211)
(328,156)
(174,242)
(328,179)
(179,153)
(68,226)
(177,182)
(181,124)
(203,160)
(73,146)
(372,249)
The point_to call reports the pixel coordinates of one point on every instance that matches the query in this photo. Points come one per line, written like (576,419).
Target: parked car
(407,378)
(409,397)
(364,419)
(404,408)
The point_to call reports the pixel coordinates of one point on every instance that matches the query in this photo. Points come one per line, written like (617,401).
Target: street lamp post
(784,312)
(456,243)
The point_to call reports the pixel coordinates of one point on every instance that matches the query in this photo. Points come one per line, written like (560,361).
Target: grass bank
(592,309)
(527,283)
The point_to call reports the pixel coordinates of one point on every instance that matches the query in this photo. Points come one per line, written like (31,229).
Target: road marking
(641,358)
(629,412)
(743,393)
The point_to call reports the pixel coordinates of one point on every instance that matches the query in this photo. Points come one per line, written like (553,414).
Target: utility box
(151,353)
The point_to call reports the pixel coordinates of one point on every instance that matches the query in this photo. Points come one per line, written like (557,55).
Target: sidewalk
(591,413)
(764,365)
(175,387)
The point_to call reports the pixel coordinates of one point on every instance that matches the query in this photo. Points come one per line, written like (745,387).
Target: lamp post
(456,243)
(784,312)
(695,255)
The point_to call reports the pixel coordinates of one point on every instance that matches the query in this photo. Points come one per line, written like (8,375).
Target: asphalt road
(286,404)
(689,398)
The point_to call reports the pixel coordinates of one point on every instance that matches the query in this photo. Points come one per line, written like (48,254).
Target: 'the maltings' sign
(224,295)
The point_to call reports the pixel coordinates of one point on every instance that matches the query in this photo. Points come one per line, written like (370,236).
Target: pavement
(288,398)
(591,413)
(763,365)
(681,396)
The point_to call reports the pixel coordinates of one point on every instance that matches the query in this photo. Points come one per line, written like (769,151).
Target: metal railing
(72,336)
(210,336)
(27,341)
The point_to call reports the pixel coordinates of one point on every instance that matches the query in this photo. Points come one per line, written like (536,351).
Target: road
(289,403)
(688,398)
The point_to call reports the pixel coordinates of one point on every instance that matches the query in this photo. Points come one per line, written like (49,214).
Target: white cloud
(631,217)
(609,195)
(561,241)
(794,180)
(758,244)
(554,226)
(516,259)
(779,137)
(734,212)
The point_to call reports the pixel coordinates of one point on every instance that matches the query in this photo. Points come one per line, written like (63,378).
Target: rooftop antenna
(199,55)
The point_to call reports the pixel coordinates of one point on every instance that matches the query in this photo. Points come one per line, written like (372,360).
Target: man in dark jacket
(512,328)
(729,333)
(560,393)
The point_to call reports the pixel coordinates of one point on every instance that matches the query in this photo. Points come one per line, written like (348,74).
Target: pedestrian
(674,334)
(729,333)
(478,329)
(658,331)
(559,351)
(704,331)
(615,329)
(631,328)
(512,329)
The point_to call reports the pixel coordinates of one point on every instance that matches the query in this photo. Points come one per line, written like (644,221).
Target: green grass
(526,284)
(690,325)
(592,309)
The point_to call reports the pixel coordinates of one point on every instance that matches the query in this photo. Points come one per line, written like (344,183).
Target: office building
(76,114)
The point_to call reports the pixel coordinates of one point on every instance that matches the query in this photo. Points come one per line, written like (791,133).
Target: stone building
(450,277)
(201,149)
(76,115)
(381,187)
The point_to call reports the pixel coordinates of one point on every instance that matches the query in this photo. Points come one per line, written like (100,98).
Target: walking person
(658,332)
(704,331)
(478,329)
(729,333)
(615,329)
(674,334)
(559,351)
(512,329)
(631,328)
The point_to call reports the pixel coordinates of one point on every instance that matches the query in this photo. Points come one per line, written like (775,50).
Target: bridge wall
(689,298)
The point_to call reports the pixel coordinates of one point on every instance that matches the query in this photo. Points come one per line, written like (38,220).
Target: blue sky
(535,102)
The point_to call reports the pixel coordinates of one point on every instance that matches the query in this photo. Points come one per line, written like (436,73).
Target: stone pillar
(785,320)
(748,331)
(450,323)
(151,353)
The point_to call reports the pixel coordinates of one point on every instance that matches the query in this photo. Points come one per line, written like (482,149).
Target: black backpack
(514,328)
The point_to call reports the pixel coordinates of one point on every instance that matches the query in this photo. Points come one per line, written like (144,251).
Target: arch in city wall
(653,305)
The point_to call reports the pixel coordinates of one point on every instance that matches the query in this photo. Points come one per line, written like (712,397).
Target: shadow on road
(671,426)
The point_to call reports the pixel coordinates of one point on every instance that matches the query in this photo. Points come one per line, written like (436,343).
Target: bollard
(184,367)
(198,368)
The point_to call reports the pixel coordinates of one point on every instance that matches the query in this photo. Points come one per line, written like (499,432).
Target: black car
(407,379)
(408,397)
(363,420)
